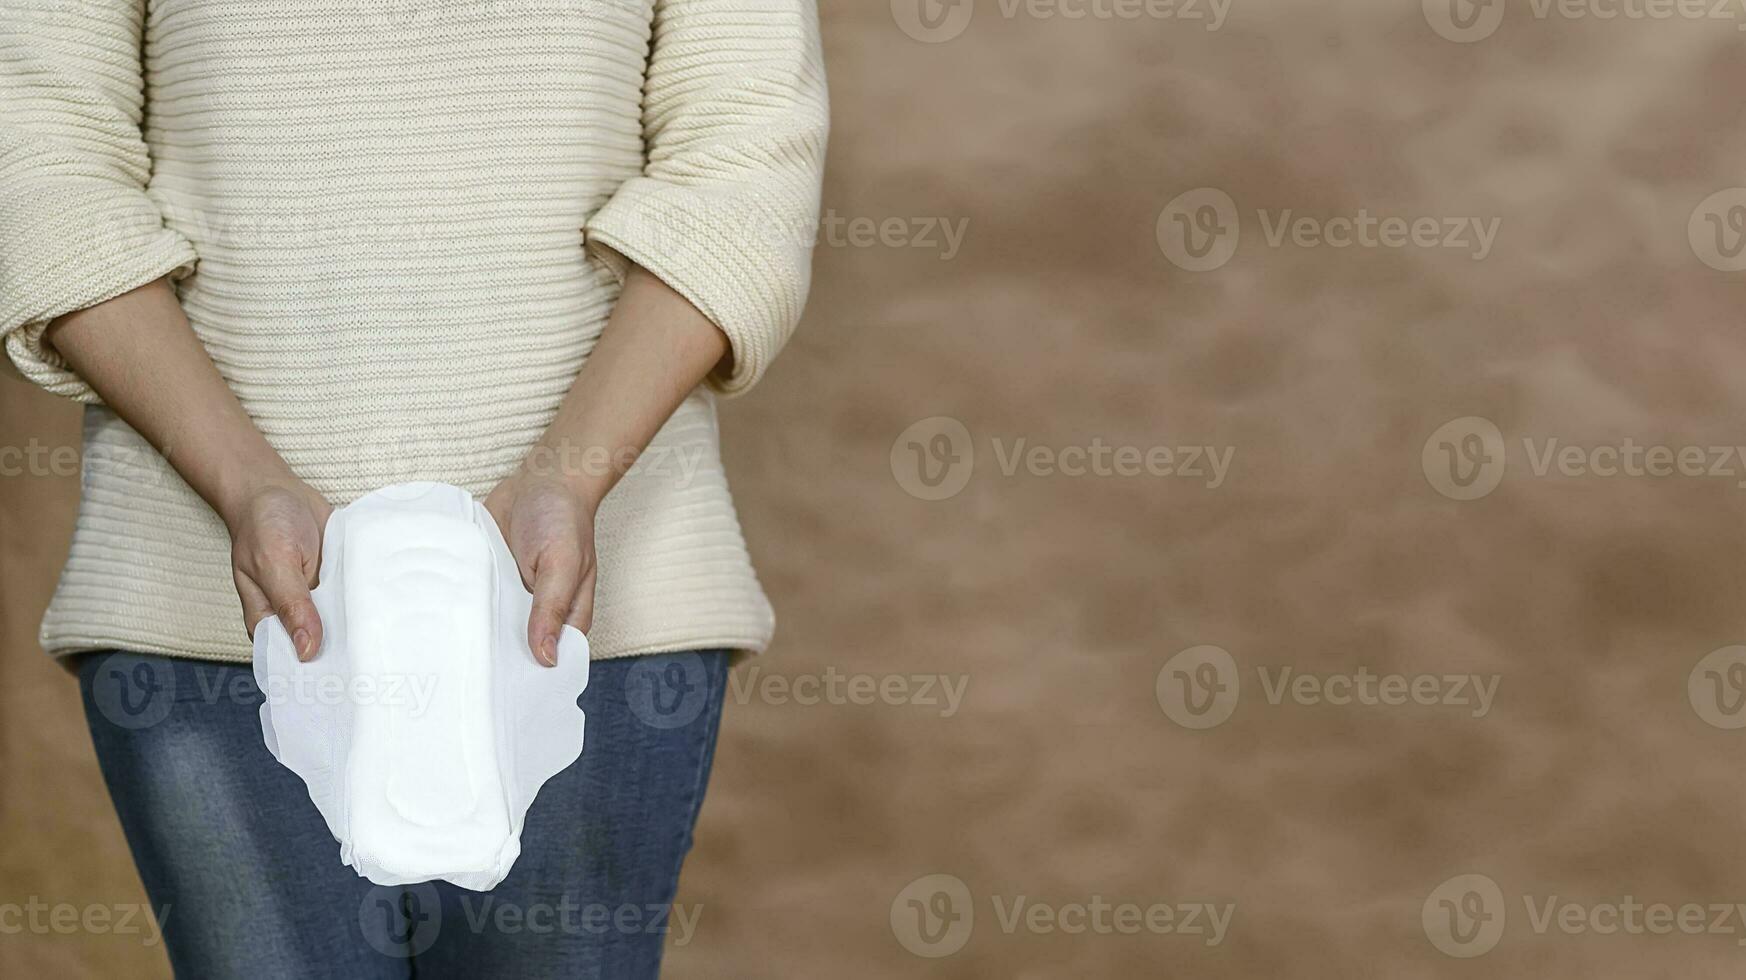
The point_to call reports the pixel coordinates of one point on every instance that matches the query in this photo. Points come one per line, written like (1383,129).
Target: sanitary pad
(425,727)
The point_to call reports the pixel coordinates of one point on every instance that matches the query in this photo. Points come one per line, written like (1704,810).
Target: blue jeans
(228,839)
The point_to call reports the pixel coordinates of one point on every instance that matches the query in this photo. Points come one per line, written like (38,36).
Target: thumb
(556,576)
(287,591)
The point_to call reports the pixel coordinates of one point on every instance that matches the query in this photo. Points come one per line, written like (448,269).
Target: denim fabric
(229,840)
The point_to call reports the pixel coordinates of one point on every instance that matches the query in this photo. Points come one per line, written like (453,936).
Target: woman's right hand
(139,354)
(275,556)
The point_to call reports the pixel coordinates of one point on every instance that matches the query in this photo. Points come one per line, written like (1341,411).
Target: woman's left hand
(549,527)
(655,349)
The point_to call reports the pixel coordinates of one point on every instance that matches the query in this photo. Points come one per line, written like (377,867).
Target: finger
(556,575)
(582,608)
(254,601)
(287,588)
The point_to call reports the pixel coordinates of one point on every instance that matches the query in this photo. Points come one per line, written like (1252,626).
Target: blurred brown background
(1603,315)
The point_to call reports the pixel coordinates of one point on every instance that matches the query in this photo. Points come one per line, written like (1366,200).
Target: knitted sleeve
(76,226)
(735,118)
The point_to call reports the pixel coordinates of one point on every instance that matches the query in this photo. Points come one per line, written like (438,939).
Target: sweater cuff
(70,249)
(724,250)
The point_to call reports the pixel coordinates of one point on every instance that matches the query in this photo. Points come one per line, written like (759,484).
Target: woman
(291,251)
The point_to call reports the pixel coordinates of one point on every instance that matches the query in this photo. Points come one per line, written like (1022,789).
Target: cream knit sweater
(399,226)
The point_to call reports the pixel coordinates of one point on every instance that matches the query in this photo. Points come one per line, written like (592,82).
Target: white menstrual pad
(425,727)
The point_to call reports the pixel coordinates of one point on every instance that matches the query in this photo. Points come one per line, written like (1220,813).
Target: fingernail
(549,650)
(300,640)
